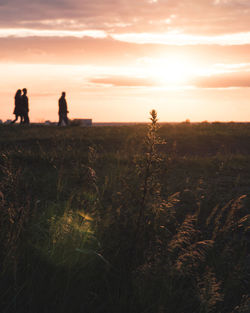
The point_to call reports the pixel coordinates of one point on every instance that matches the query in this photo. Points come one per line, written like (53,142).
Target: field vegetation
(126,219)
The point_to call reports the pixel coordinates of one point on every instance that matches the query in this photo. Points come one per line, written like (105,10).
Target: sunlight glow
(174,70)
(178,38)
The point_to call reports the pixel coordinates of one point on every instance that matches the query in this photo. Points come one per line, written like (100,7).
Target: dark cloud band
(193,17)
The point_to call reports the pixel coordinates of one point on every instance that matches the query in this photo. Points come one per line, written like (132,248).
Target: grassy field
(128,219)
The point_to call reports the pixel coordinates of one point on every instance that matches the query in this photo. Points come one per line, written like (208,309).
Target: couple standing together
(21,106)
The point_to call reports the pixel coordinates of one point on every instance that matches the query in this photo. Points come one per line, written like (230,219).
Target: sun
(173,70)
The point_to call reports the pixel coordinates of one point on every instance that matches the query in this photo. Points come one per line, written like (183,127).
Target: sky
(119,59)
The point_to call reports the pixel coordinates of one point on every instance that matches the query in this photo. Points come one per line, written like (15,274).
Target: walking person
(63,110)
(18,110)
(25,105)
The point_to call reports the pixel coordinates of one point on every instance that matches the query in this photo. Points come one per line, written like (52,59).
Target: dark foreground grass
(112,219)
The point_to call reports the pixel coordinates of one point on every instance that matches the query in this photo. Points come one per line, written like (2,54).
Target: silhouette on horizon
(18,110)
(25,104)
(63,110)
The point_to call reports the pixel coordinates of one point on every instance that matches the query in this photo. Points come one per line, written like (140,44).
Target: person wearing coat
(25,106)
(18,110)
(63,110)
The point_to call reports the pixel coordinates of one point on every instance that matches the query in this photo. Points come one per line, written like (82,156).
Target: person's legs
(26,118)
(14,119)
(65,118)
(60,120)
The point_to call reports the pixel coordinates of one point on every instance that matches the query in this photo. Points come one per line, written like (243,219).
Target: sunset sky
(118,59)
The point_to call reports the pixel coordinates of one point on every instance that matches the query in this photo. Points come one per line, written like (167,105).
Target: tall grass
(124,220)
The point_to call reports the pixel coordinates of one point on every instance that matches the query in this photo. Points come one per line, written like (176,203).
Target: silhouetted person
(18,110)
(25,104)
(63,110)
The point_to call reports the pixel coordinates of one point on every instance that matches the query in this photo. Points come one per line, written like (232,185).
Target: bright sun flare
(172,71)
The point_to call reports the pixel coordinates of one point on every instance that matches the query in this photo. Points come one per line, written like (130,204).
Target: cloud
(228,80)
(69,50)
(107,51)
(123,81)
(25,32)
(128,16)
(177,38)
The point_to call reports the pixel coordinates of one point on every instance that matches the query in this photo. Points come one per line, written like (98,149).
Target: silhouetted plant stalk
(92,156)
(149,165)
(148,170)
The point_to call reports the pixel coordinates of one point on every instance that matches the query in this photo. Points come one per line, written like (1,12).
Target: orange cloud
(123,81)
(228,80)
